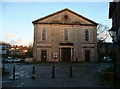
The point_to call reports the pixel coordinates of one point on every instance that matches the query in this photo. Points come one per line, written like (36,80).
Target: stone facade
(51,45)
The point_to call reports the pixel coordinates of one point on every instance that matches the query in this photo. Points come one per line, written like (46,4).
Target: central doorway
(66,54)
(87,56)
(43,56)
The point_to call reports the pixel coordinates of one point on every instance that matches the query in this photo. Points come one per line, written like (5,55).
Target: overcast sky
(17,17)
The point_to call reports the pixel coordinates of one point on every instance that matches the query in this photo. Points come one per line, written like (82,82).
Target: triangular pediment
(65,16)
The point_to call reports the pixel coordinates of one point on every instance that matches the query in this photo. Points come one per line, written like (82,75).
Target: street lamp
(112,33)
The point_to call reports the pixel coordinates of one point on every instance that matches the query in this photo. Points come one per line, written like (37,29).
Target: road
(84,75)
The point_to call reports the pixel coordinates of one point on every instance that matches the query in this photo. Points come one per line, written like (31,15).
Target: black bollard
(53,72)
(14,73)
(71,72)
(33,73)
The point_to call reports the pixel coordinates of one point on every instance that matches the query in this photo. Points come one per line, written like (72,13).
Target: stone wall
(55,36)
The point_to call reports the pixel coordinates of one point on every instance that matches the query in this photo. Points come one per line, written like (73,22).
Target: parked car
(5,60)
(107,59)
(28,60)
(19,60)
(10,60)
(14,61)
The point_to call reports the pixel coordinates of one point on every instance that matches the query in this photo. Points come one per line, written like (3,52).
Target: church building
(65,36)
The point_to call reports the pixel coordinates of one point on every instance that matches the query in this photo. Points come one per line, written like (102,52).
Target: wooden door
(66,54)
(87,56)
(43,55)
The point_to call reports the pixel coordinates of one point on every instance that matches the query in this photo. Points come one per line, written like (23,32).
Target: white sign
(55,55)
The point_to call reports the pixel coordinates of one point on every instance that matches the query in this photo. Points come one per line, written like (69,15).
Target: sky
(17,17)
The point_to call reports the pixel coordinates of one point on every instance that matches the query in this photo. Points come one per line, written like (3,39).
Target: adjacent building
(114,14)
(4,47)
(65,36)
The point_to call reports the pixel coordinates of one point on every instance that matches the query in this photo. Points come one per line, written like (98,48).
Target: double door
(66,54)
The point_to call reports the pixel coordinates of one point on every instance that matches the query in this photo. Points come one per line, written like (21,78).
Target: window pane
(65,35)
(44,34)
(86,35)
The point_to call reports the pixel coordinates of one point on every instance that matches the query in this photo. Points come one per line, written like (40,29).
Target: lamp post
(112,33)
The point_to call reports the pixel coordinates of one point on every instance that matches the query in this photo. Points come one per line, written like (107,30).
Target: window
(65,35)
(44,34)
(86,35)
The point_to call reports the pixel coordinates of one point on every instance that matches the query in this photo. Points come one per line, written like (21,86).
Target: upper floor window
(44,34)
(86,35)
(65,35)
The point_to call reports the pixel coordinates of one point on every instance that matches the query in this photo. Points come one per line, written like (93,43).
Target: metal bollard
(53,72)
(71,72)
(14,73)
(33,73)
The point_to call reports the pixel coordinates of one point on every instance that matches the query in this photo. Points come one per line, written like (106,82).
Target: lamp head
(112,32)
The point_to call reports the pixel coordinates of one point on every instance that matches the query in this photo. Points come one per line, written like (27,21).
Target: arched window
(65,35)
(44,34)
(86,35)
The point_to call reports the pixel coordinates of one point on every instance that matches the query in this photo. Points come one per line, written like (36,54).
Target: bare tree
(102,33)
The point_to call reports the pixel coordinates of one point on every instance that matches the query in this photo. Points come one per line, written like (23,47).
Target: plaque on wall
(55,55)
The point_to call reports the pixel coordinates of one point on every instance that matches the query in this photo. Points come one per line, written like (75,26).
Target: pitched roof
(66,9)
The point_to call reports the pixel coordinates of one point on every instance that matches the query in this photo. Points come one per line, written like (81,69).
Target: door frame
(69,56)
(42,60)
(87,55)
